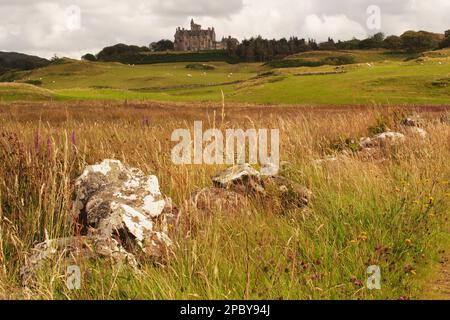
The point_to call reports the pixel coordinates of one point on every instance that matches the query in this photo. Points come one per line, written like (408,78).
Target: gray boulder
(120,213)
(235,184)
(114,201)
(242,178)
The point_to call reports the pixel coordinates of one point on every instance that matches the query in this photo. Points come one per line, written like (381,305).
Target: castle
(198,39)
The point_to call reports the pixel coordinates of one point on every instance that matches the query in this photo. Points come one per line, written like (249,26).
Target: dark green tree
(162,45)
(445,43)
(89,57)
(420,41)
(393,43)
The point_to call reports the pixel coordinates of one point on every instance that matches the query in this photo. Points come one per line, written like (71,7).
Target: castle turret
(194,26)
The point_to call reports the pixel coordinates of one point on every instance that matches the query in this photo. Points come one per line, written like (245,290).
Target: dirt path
(438,287)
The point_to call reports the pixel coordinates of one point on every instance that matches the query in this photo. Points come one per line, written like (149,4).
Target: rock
(412,126)
(291,193)
(366,142)
(112,201)
(381,139)
(372,154)
(120,213)
(412,121)
(247,181)
(68,250)
(218,199)
(416,131)
(242,178)
(270,169)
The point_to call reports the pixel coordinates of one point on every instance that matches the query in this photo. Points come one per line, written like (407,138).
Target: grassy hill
(19,61)
(24,91)
(359,56)
(373,76)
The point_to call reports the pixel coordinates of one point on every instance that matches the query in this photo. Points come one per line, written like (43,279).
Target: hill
(20,61)
(24,91)
(353,77)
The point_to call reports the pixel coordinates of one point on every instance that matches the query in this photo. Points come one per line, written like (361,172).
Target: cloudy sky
(74,27)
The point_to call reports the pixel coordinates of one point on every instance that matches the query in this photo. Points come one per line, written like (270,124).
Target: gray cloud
(40,26)
(199,8)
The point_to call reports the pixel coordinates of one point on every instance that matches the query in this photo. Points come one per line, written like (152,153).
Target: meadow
(373,77)
(392,211)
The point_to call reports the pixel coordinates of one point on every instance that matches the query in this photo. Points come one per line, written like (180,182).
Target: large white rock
(115,201)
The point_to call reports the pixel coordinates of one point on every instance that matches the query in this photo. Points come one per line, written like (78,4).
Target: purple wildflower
(36,141)
(74,138)
(146,122)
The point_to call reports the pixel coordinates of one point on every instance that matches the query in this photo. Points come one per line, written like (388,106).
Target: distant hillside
(19,61)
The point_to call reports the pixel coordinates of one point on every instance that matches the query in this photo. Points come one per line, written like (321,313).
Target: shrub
(393,43)
(343,143)
(56,60)
(294,63)
(338,60)
(162,45)
(34,82)
(200,66)
(446,41)
(89,57)
(420,41)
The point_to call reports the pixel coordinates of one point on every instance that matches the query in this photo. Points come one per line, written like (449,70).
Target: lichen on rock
(119,213)
(236,184)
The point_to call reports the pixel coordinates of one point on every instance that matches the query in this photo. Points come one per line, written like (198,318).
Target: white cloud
(337,27)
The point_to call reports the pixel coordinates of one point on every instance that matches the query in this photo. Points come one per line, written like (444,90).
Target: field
(391,209)
(374,77)
(393,213)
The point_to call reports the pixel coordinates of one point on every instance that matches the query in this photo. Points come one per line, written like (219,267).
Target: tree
(349,44)
(420,41)
(373,42)
(393,43)
(161,45)
(328,45)
(445,43)
(89,57)
(56,60)
(312,44)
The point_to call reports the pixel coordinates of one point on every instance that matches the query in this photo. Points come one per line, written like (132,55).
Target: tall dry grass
(391,213)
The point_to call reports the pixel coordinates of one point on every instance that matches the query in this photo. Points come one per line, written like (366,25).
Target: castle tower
(194,26)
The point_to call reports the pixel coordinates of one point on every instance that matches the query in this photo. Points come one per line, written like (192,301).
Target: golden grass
(388,213)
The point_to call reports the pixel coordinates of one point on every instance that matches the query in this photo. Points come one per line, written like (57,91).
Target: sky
(72,28)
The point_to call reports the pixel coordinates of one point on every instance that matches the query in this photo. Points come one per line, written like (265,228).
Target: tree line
(260,49)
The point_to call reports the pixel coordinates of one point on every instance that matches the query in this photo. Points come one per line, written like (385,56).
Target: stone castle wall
(197,39)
